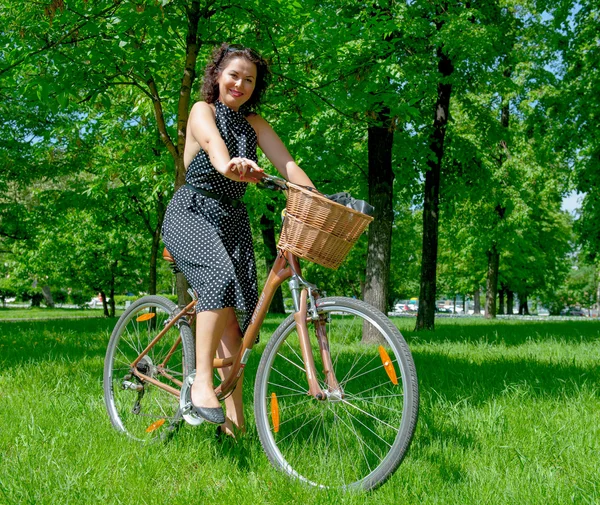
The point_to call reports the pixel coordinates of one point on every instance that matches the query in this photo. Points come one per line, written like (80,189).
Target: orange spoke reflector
(275,412)
(145,317)
(388,365)
(155,425)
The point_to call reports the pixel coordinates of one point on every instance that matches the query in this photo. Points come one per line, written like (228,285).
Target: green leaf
(105,99)
(63,99)
(42,91)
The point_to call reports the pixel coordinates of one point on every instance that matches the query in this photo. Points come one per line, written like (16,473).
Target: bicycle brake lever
(272,183)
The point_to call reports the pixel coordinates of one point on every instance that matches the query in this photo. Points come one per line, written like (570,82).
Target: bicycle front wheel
(360,433)
(146,408)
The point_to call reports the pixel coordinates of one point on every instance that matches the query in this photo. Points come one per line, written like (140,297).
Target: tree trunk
(112,298)
(381,181)
(477,302)
(510,301)
(464,304)
(454,304)
(104,304)
(194,14)
(36,300)
(598,299)
(155,250)
(501,293)
(153,262)
(523,306)
(48,300)
(493,253)
(270,253)
(427,292)
(492,283)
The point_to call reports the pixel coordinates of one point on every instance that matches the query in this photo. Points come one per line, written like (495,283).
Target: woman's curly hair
(219,60)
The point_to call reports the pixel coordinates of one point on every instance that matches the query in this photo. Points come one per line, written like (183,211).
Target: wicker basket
(318,229)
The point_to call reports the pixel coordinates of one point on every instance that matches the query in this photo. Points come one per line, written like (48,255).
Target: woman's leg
(229,346)
(210,326)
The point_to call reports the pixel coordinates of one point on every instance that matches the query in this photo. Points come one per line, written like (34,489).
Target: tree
(578,107)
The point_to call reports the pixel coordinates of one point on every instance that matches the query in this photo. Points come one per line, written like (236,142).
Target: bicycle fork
(302,315)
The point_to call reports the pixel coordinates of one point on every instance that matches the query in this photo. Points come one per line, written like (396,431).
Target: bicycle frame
(286,266)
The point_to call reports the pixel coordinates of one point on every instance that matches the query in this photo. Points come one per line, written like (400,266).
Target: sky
(571,202)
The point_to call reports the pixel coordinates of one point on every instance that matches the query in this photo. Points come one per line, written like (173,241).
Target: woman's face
(236,82)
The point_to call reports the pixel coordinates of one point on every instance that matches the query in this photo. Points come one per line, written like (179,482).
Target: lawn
(29,313)
(509,415)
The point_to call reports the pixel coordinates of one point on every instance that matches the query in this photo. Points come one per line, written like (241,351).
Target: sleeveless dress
(211,241)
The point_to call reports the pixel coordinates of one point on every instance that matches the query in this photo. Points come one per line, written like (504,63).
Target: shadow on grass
(27,341)
(457,378)
(73,339)
(508,332)
(451,381)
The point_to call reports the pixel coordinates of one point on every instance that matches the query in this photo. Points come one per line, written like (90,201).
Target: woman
(206,227)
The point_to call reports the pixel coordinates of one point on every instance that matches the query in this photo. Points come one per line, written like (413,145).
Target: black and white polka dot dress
(211,241)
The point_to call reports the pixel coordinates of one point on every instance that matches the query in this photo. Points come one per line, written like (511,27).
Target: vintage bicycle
(347,422)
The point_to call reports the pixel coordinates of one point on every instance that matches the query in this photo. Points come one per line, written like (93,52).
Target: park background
(466,124)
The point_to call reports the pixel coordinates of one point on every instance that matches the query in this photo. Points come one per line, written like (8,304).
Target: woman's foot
(230,430)
(206,405)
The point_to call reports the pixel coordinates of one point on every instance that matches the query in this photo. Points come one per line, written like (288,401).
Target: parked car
(572,311)
(443,310)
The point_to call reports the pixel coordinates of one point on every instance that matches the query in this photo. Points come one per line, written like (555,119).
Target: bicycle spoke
(285,387)
(345,402)
(360,441)
(288,420)
(340,458)
(286,377)
(374,403)
(292,362)
(303,393)
(294,351)
(377,368)
(346,379)
(307,400)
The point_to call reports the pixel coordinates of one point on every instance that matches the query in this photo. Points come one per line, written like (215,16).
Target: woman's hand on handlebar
(245,169)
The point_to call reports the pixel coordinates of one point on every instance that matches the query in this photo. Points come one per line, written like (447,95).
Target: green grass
(509,415)
(45,313)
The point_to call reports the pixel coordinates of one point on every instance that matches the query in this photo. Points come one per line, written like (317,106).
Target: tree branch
(160,118)
(313,91)
(64,39)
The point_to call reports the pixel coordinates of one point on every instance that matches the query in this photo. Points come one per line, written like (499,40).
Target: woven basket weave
(318,229)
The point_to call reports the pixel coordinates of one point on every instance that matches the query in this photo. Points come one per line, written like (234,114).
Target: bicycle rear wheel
(137,407)
(356,437)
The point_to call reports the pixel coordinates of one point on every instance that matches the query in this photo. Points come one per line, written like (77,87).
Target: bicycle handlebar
(272,182)
(279,184)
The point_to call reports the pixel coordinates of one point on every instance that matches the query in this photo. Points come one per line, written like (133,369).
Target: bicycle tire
(357,441)
(139,408)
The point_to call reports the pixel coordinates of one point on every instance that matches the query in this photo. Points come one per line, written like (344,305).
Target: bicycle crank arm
(132,385)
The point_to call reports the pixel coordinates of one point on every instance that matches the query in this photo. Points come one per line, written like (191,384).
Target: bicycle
(346,425)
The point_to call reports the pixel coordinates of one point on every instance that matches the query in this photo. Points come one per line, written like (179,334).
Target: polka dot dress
(211,241)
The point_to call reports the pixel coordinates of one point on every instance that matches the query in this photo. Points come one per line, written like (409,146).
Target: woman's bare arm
(275,150)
